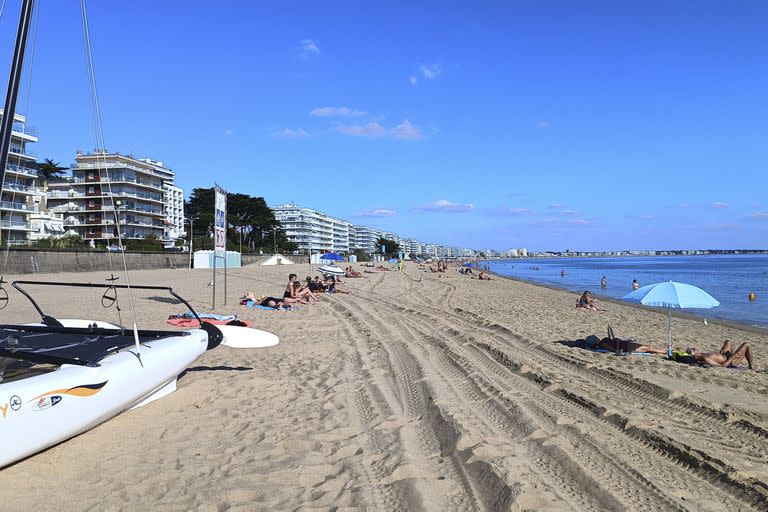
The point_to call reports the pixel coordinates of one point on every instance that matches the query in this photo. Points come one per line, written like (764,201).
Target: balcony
(18,226)
(65,194)
(80,166)
(141,183)
(18,207)
(22,151)
(19,189)
(18,169)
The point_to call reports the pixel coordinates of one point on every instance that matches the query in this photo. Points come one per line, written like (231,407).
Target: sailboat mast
(14,79)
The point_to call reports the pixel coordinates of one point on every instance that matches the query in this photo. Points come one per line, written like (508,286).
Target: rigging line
(23,127)
(94,92)
(23,123)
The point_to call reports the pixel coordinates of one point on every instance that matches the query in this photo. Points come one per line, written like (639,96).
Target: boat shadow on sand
(220,368)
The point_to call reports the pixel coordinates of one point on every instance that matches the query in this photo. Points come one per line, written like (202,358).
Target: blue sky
(548,125)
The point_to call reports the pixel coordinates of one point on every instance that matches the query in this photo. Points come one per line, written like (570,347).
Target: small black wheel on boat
(3,297)
(215,336)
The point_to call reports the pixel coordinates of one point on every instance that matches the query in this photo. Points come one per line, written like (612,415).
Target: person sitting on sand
(483,276)
(727,357)
(330,285)
(586,301)
(294,290)
(350,272)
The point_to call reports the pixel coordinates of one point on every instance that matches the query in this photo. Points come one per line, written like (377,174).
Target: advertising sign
(220,227)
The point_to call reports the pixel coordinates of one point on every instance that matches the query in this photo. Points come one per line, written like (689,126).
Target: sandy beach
(415,392)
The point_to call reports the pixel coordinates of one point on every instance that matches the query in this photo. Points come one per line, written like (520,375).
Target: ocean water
(728,278)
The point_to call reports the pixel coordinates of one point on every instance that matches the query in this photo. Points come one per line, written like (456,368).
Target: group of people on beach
(297,292)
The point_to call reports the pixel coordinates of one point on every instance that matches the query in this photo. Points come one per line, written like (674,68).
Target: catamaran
(61,377)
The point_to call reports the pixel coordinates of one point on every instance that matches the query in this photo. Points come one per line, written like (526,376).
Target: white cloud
(569,212)
(309,47)
(376,212)
(430,72)
(228,132)
(550,221)
(407,131)
(444,205)
(719,205)
(336,112)
(413,79)
(758,216)
(290,133)
(362,130)
(505,211)
(555,206)
(404,131)
(543,125)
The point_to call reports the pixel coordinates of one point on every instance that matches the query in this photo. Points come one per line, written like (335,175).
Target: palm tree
(49,170)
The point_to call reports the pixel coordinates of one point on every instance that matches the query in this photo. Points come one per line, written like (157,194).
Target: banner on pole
(220,227)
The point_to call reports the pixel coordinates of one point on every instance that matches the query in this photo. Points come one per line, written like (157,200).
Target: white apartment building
(174,211)
(313,231)
(19,186)
(46,225)
(102,182)
(390,236)
(364,238)
(410,246)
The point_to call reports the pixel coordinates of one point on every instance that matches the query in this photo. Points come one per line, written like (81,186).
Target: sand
(416,392)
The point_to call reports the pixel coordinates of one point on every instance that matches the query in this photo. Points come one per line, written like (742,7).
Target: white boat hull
(40,411)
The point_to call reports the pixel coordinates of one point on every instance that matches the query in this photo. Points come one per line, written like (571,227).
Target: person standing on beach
(635,285)
(603,282)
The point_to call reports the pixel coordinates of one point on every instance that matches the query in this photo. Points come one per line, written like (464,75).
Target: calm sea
(727,278)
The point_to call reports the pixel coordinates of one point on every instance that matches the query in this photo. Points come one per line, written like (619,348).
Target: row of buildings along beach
(314,232)
(143,192)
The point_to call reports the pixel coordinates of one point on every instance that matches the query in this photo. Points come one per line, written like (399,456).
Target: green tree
(391,248)
(245,214)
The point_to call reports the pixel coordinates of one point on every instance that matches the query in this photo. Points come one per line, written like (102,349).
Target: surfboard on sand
(245,337)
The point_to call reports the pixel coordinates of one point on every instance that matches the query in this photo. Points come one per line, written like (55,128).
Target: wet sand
(415,392)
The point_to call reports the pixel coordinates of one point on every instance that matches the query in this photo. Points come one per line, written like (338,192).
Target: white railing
(18,169)
(9,205)
(15,187)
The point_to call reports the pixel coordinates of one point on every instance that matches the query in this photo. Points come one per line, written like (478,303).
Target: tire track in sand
(710,470)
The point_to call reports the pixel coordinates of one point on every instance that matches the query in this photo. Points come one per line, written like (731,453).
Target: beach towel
(192,323)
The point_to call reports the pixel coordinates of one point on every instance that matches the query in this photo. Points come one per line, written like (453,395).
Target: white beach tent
(277,259)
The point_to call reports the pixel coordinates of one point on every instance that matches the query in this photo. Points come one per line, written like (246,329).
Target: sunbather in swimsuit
(727,357)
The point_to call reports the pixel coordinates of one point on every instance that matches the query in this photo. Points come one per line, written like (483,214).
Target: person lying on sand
(586,301)
(726,358)
(617,344)
(275,303)
(483,276)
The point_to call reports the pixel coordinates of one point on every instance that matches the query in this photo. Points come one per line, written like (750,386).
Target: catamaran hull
(41,411)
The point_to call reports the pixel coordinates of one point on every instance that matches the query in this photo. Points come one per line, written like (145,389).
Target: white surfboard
(245,337)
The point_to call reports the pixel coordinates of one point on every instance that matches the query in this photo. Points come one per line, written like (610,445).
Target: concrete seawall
(33,262)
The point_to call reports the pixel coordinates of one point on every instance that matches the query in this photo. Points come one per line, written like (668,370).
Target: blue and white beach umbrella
(672,295)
